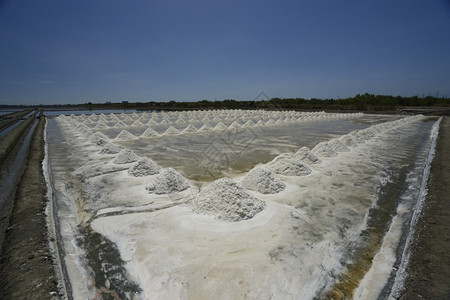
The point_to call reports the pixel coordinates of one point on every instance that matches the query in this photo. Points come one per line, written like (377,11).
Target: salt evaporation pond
(236,204)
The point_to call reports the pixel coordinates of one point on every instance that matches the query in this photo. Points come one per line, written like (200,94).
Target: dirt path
(429,266)
(26,268)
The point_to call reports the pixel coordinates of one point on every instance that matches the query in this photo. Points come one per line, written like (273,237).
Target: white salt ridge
(125,135)
(347,140)
(205,127)
(101,125)
(99,138)
(172,131)
(226,200)
(220,126)
(263,181)
(271,122)
(165,121)
(168,181)
(337,145)
(150,132)
(249,123)
(144,167)
(235,125)
(190,129)
(305,155)
(288,165)
(153,121)
(110,148)
(137,123)
(323,149)
(125,157)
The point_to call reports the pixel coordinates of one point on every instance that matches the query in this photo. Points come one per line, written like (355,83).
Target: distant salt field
(236,204)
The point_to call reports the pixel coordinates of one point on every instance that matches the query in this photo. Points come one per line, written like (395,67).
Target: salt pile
(190,129)
(110,148)
(324,149)
(150,132)
(305,155)
(99,138)
(145,166)
(347,140)
(337,145)
(172,131)
(263,180)
(125,135)
(125,157)
(205,127)
(168,181)
(288,165)
(220,126)
(137,123)
(226,200)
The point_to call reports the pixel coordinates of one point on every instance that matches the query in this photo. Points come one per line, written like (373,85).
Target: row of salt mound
(262,180)
(354,138)
(230,114)
(168,181)
(125,135)
(272,120)
(226,200)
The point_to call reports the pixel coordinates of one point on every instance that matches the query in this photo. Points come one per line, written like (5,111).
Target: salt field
(236,204)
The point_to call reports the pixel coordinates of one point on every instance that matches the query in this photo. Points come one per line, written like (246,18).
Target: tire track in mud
(26,266)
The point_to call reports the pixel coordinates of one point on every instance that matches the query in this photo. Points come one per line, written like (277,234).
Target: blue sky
(61,51)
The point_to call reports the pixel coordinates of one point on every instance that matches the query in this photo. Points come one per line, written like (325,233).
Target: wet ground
(26,265)
(429,267)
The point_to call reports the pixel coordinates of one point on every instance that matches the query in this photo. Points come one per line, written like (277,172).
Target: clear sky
(67,51)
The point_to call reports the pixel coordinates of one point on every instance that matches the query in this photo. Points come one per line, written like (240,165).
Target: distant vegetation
(366,102)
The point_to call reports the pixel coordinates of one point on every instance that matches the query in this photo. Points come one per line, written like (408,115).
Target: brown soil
(8,142)
(429,267)
(26,268)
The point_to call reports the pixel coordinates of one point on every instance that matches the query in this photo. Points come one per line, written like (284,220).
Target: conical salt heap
(205,127)
(150,132)
(99,138)
(125,157)
(172,131)
(110,148)
(190,129)
(323,149)
(288,165)
(263,180)
(305,155)
(125,135)
(226,200)
(144,167)
(168,181)
(220,126)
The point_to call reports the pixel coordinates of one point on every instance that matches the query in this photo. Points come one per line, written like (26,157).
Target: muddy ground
(26,265)
(429,266)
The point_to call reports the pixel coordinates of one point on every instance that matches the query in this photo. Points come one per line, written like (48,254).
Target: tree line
(365,102)
(359,102)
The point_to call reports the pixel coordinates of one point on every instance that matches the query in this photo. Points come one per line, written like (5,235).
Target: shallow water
(329,225)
